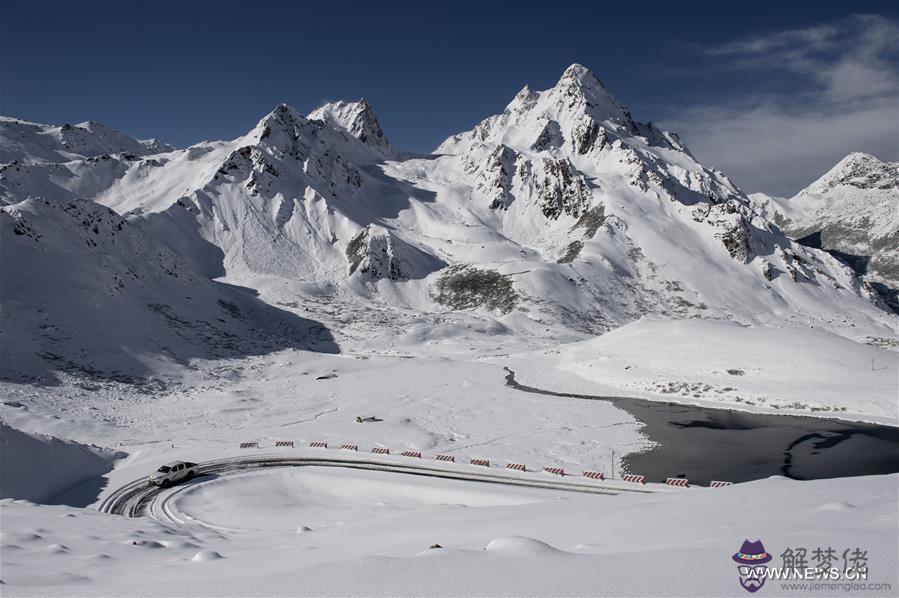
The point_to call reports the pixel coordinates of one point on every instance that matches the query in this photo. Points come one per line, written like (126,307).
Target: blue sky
(773,93)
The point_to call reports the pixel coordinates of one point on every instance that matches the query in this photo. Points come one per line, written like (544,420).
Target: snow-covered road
(138,498)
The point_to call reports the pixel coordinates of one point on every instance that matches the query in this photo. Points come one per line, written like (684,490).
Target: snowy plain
(320,531)
(494,541)
(723,364)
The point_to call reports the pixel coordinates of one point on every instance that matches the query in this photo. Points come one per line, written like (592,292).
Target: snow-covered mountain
(64,162)
(34,143)
(88,293)
(852,211)
(561,216)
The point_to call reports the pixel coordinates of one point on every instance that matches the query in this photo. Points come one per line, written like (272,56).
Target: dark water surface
(704,444)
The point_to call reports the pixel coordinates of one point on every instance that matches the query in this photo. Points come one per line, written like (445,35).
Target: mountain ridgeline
(561,217)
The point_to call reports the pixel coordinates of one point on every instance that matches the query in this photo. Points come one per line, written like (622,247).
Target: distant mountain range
(559,218)
(852,211)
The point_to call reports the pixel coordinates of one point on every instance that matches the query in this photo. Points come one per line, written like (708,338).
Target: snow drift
(39,468)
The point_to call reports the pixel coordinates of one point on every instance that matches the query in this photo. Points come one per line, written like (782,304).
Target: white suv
(172,473)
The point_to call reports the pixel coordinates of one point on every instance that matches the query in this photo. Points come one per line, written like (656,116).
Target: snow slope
(39,468)
(675,544)
(85,291)
(719,363)
(35,143)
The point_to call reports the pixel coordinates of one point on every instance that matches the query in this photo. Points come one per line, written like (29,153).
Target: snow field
(546,543)
(722,364)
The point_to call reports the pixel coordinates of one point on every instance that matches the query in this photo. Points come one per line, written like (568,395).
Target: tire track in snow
(139,499)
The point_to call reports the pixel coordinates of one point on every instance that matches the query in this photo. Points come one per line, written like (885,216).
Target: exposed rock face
(494,177)
(562,189)
(732,228)
(374,255)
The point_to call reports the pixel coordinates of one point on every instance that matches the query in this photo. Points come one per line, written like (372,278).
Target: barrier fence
(594,475)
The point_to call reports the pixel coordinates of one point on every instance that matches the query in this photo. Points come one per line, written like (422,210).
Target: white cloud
(766,149)
(846,98)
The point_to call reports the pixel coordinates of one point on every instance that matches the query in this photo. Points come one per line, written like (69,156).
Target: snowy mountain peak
(30,142)
(357,118)
(523,100)
(859,170)
(850,212)
(580,90)
(580,75)
(284,132)
(282,118)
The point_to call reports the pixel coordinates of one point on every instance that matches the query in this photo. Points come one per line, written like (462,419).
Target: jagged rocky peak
(580,77)
(579,90)
(156,146)
(523,100)
(357,118)
(283,120)
(859,170)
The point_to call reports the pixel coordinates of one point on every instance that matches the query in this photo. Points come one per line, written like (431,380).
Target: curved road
(139,499)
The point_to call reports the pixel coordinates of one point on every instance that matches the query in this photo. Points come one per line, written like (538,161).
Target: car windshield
(164,469)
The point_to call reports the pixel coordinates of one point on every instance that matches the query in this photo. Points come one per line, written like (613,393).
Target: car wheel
(190,475)
(165,483)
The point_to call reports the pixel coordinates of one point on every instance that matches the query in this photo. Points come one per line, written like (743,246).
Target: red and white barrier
(719,484)
(449,458)
(249,445)
(380,450)
(554,470)
(636,479)
(481,462)
(318,444)
(350,447)
(516,466)
(681,482)
(594,475)
(287,443)
(413,454)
